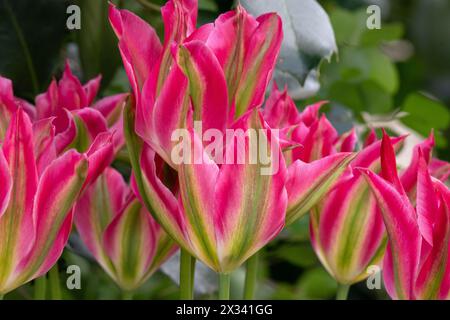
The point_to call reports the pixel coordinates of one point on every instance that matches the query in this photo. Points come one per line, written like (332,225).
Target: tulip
(314,163)
(346,227)
(78,120)
(122,236)
(416,264)
(217,217)
(36,198)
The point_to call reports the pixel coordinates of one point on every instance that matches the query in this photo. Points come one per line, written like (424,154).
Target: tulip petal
(207,86)
(427,202)
(247,49)
(91,89)
(138,43)
(433,281)
(318,143)
(308,182)
(71,93)
(57,192)
(409,176)
(157,198)
(100,155)
(180,19)
(130,243)
(439,169)
(6,185)
(17,224)
(250,198)
(156,122)
(197,179)
(100,203)
(259,63)
(404,236)
(280,110)
(7,105)
(44,143)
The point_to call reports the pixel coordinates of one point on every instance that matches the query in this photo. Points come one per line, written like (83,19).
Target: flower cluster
(56,155)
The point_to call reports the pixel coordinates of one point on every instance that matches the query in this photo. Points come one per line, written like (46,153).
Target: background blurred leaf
(316,284)
(31,37)
(425,113)
(96,41)
(308,38)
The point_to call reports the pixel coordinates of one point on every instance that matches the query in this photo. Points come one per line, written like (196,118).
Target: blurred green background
(398,75)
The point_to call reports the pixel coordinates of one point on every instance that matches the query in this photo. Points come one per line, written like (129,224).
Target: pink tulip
(123,237)
(36,196)
(346,226)
(416,264)
(314,163)
(222,214)
(77,119)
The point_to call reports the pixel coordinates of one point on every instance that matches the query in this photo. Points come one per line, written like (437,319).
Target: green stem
(193,262)
(55,288)
(40,287)
(250,277)
(342,291)
(2,296)
(185,275)
(224,286)
(127,295)
(150,6)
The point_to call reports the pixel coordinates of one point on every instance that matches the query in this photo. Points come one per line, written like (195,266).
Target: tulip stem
(186,282)
(342,291)
(193,262)
(40,287)
(55,288)
(250,277)
(224,286)
(127,295)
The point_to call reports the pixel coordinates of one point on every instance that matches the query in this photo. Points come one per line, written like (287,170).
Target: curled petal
(308,182)
(404,237)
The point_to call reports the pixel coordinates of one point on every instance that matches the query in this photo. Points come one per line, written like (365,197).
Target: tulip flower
(35,203)
(314,163)
(225,213)
(346,227)
(122,236)
(78,120)
(416,264)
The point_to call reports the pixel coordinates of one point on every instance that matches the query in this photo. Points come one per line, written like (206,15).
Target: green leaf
(208,5)
(425,113)
(308,38)
(298,254)
(31,37)
(316,284)
(96,41)
(389,32)
(365,96)
(348,26)
(382,71)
